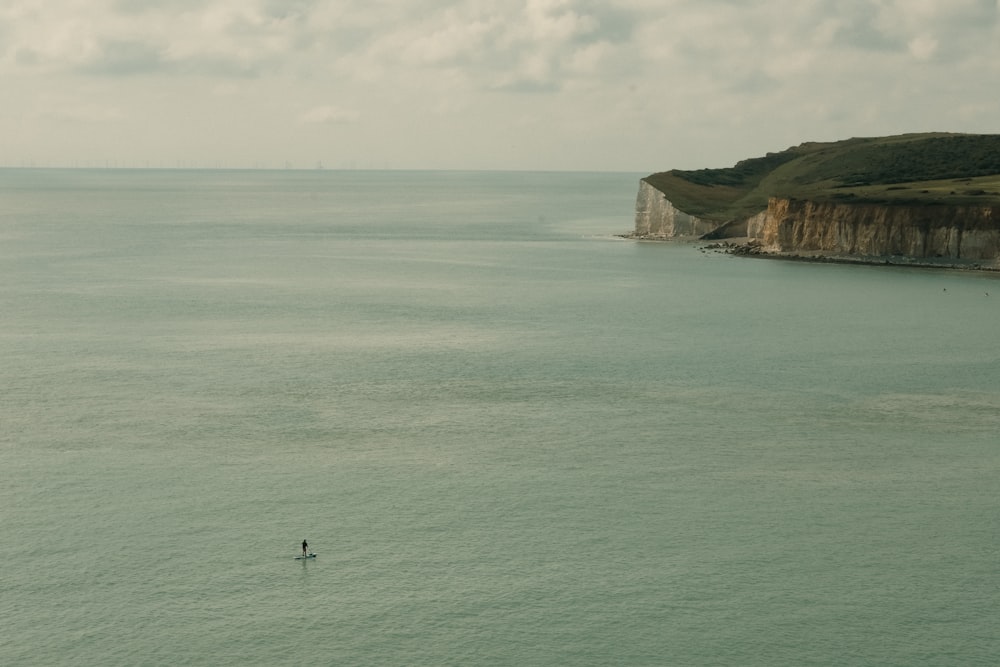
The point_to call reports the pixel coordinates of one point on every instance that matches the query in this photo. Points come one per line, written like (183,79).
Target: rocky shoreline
(752,248)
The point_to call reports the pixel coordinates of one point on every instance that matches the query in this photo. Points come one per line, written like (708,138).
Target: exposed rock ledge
(925,235)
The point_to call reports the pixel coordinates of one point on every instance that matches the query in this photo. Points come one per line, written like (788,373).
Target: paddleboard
(303,557)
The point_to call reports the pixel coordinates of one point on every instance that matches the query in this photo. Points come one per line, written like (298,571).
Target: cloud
(540,41)
(138,7)
(923,47)
(634,79)
(125,58)
(76,112)
(925,29)
(136,37)
(329,115)
(451,39)
(540,45)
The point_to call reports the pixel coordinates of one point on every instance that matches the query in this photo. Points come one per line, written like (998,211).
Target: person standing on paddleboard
(305,548)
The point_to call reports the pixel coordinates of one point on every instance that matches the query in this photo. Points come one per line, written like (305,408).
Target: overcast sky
(614,85)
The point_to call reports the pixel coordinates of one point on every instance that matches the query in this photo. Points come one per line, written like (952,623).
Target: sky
(613,85)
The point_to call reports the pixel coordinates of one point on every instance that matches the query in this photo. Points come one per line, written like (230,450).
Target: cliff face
(851,229)
(655,217)
(871,230)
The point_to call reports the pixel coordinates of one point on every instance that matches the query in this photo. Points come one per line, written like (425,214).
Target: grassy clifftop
(932,168)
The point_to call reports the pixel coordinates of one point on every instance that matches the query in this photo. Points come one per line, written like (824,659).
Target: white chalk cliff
(860,230)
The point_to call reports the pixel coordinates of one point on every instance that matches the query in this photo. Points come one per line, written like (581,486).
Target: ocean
(511,437)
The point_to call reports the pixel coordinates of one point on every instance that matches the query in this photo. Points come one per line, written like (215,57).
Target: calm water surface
(512,438)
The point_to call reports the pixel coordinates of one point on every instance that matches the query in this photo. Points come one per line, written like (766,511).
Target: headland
(917,199)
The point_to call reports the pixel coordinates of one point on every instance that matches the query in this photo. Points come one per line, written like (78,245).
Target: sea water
(511,437)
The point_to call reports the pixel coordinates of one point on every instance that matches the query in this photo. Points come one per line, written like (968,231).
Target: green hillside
(933,168)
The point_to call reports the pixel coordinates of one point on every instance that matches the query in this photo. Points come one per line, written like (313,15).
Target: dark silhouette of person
(305,548)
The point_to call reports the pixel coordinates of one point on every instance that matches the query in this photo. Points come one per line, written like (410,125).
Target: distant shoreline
(744,248)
